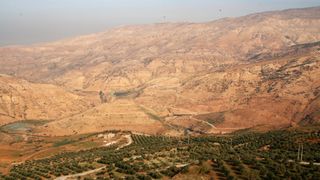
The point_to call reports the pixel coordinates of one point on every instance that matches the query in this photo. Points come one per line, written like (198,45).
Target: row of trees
(249,156)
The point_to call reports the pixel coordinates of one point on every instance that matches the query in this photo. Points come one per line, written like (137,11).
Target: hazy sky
(31,21)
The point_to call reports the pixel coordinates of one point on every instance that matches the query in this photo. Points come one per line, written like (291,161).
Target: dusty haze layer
(220,76)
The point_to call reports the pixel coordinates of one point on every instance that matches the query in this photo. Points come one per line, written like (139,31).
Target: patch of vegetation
(87,144)
(128,93)
(22,126)
(212,118)
(122,93)
(63,142)
(150,114)
(248,155)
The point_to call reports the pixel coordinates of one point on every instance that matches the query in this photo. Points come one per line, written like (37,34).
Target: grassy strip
(63,142)
(150,114)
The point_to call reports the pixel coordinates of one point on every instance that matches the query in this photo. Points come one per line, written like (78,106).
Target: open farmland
(245,155)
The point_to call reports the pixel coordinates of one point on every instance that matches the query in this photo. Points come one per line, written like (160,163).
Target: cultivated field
(244,155)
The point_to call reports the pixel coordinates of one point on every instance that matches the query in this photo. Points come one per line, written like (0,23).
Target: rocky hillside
(130,56)
(22,100)
(233,73)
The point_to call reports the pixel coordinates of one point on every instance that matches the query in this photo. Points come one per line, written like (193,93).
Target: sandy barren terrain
(260,69)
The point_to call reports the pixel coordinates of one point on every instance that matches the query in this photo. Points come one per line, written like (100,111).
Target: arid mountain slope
(22,100)
(273,92)
(120,114)
(278,92)
(130,56)
(260,69)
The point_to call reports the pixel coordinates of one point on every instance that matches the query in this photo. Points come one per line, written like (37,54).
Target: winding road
(73,176)
(79,174)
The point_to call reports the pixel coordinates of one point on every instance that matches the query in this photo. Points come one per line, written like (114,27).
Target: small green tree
(204,168)
(102,97)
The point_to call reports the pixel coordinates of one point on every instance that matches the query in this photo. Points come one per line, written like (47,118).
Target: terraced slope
(120,114)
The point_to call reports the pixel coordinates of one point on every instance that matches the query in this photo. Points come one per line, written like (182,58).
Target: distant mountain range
(259,70)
